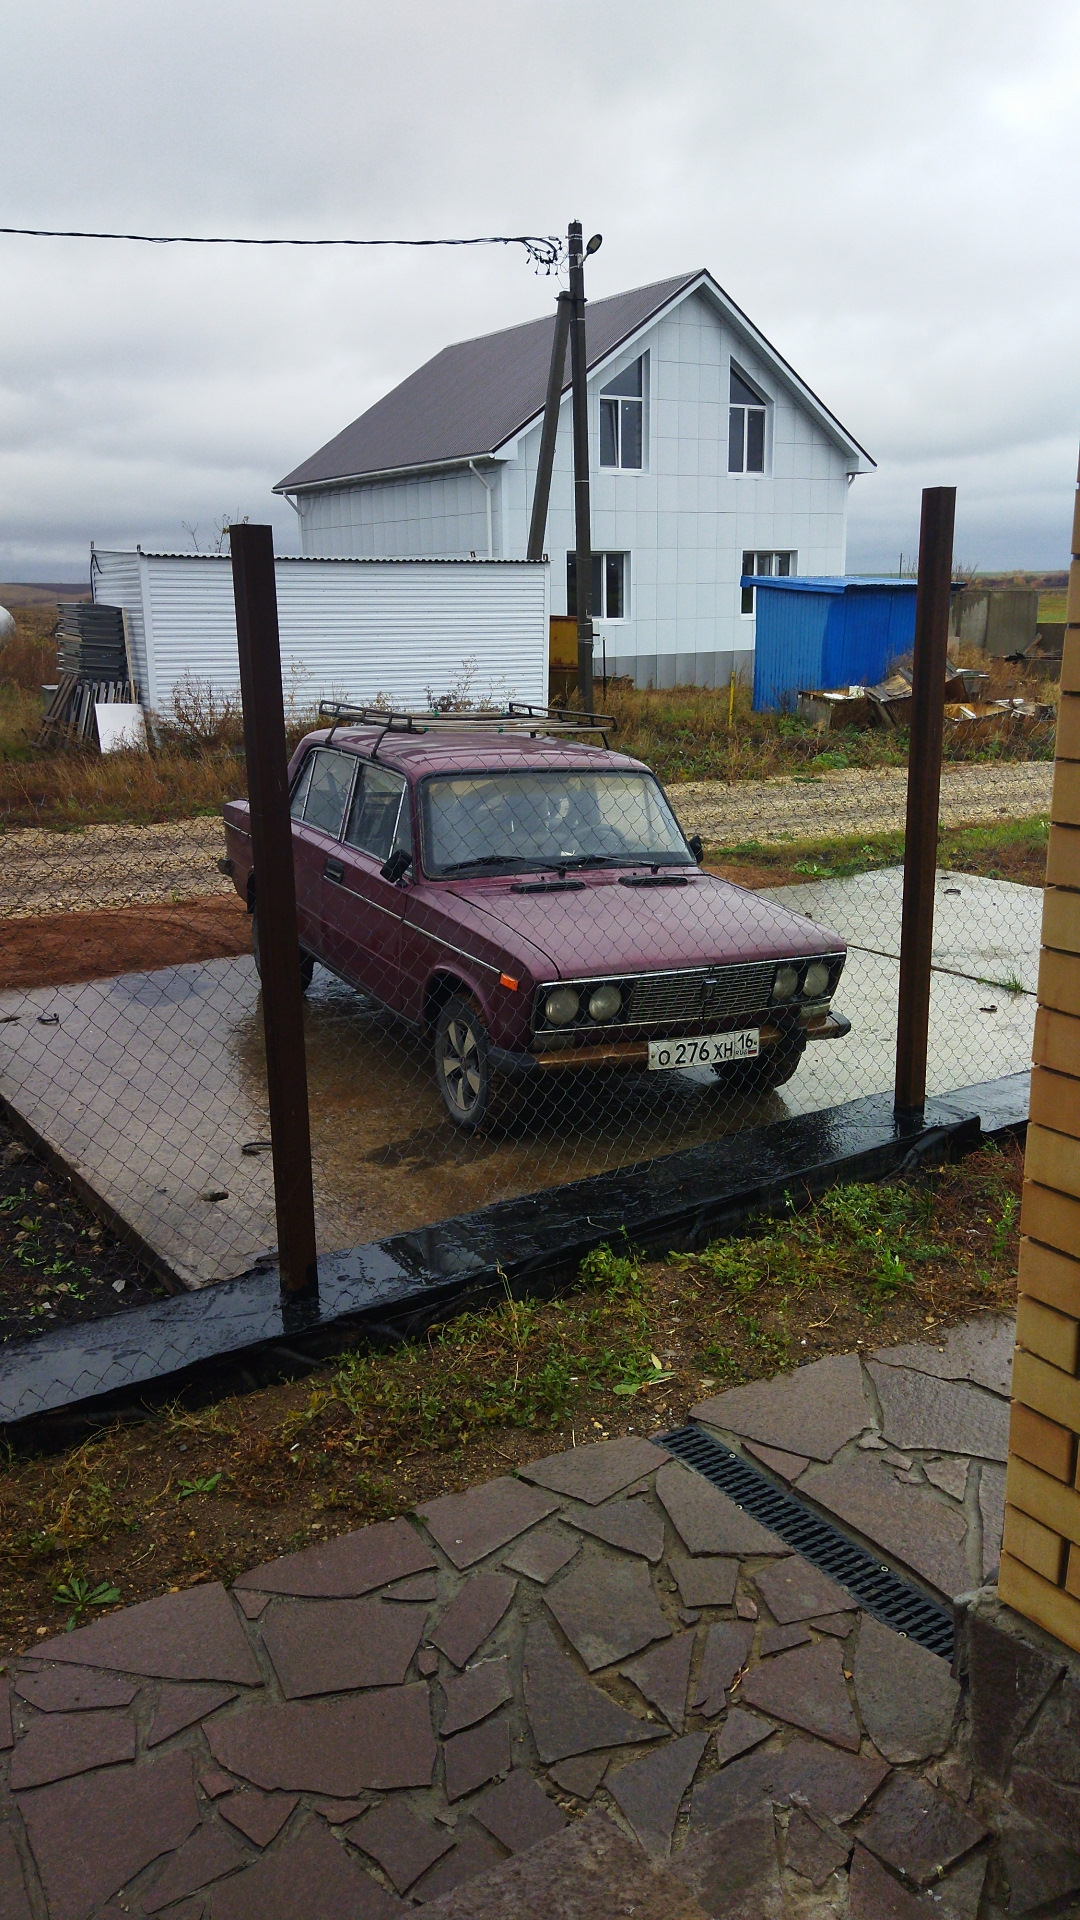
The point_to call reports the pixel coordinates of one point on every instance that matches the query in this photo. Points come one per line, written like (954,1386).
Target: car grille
(715,994)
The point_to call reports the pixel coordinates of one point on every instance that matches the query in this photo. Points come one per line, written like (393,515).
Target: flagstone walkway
(596,1690)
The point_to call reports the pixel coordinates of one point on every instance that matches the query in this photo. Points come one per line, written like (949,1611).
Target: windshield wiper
(510,860)
(609,860)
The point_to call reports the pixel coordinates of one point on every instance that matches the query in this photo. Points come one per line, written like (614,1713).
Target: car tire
(772,1068)
(307,960)
(463,1062)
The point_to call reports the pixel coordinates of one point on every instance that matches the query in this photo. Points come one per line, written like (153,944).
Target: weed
(1004,1227)
(189,1487)
(77,1593)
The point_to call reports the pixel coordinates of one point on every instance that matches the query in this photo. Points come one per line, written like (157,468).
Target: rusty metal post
(923,795)
(255,593)
(579,368)
(549,431)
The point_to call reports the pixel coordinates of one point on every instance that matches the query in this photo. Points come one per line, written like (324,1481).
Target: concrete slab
(150,1085)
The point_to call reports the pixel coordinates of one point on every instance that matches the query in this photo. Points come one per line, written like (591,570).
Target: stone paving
(596,1689)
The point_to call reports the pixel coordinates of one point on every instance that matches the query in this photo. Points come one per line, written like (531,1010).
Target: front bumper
(635,1053)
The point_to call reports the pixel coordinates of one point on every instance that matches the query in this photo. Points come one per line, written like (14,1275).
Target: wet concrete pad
(468,1526)
(607,1608)
(381,1739)
(331,1646)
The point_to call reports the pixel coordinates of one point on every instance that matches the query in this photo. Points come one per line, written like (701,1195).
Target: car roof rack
(516,717)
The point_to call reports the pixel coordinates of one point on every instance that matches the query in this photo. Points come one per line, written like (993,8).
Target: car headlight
(604,1002)
(785,983)
(561,1006)
(816,980)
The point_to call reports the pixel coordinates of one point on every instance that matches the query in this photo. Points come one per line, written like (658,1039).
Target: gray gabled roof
(475,396)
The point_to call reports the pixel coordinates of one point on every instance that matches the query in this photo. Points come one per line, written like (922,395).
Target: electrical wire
(544,250)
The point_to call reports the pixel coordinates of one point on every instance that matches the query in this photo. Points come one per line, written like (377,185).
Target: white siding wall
(684,520)
(444,514)
(349,632)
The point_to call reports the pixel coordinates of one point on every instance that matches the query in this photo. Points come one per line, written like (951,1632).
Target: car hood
(610,927)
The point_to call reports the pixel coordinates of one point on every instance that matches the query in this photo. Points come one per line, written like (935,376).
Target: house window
(610,586)
(764,564)
(622,409)
(746,428)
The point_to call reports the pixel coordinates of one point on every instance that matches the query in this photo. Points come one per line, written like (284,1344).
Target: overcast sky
(888,189)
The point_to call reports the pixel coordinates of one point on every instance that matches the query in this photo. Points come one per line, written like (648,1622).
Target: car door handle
(334,870)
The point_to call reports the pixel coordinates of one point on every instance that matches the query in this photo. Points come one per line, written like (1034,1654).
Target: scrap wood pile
(969,719)
(95,671)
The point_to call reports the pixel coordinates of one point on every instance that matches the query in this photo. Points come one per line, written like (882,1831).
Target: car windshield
(518,821)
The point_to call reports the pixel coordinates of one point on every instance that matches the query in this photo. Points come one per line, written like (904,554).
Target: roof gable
(472,398)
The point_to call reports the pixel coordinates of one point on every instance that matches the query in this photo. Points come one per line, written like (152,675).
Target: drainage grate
(882,1592)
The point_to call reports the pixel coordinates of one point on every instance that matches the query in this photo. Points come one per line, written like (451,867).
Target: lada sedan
(529,903)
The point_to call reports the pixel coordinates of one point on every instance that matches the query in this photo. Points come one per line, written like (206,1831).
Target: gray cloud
(887,190)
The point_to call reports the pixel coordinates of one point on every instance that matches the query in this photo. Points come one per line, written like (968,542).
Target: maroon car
(529,902)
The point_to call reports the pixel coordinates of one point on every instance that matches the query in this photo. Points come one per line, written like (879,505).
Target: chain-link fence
(519,969)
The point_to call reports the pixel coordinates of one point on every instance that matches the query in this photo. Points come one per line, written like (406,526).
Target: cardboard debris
(886,705)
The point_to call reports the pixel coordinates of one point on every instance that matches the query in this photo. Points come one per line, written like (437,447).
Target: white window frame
(616,466)
(612,553)
(782,563)
(735,406)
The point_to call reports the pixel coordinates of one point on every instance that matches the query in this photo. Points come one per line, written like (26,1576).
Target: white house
(710,458)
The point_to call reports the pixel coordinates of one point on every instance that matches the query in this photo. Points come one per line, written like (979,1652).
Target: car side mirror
(696,847)
(397,866)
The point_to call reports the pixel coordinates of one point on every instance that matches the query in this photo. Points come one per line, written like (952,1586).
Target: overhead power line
(544,250)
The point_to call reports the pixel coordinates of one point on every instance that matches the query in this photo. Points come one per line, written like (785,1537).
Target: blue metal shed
(828,631)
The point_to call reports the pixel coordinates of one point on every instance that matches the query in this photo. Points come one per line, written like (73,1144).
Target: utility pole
(550,429)
(579,367)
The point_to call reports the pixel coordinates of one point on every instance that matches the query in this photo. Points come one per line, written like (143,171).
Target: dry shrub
(200,720)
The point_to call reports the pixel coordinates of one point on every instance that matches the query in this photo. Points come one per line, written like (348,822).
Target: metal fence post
(279,946)
(923,795)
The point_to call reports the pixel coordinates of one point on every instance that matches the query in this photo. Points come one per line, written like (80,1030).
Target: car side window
(328,790)
(300,790)
(379,819)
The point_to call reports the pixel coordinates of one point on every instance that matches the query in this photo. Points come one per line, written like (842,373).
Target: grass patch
(1008,850)
(191,1494)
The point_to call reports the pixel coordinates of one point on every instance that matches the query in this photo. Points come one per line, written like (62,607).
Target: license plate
(710,1050)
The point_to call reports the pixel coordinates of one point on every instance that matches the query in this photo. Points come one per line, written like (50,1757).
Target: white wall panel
(349,630)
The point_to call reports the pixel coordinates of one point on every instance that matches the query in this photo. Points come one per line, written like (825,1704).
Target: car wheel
(771,1069)
(307,960)
(462,1062)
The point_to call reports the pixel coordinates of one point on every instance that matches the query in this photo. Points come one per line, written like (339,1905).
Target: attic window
(746,427)
(622,409)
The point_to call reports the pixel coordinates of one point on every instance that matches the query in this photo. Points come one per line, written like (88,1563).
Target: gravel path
(117,866)
(857,801)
